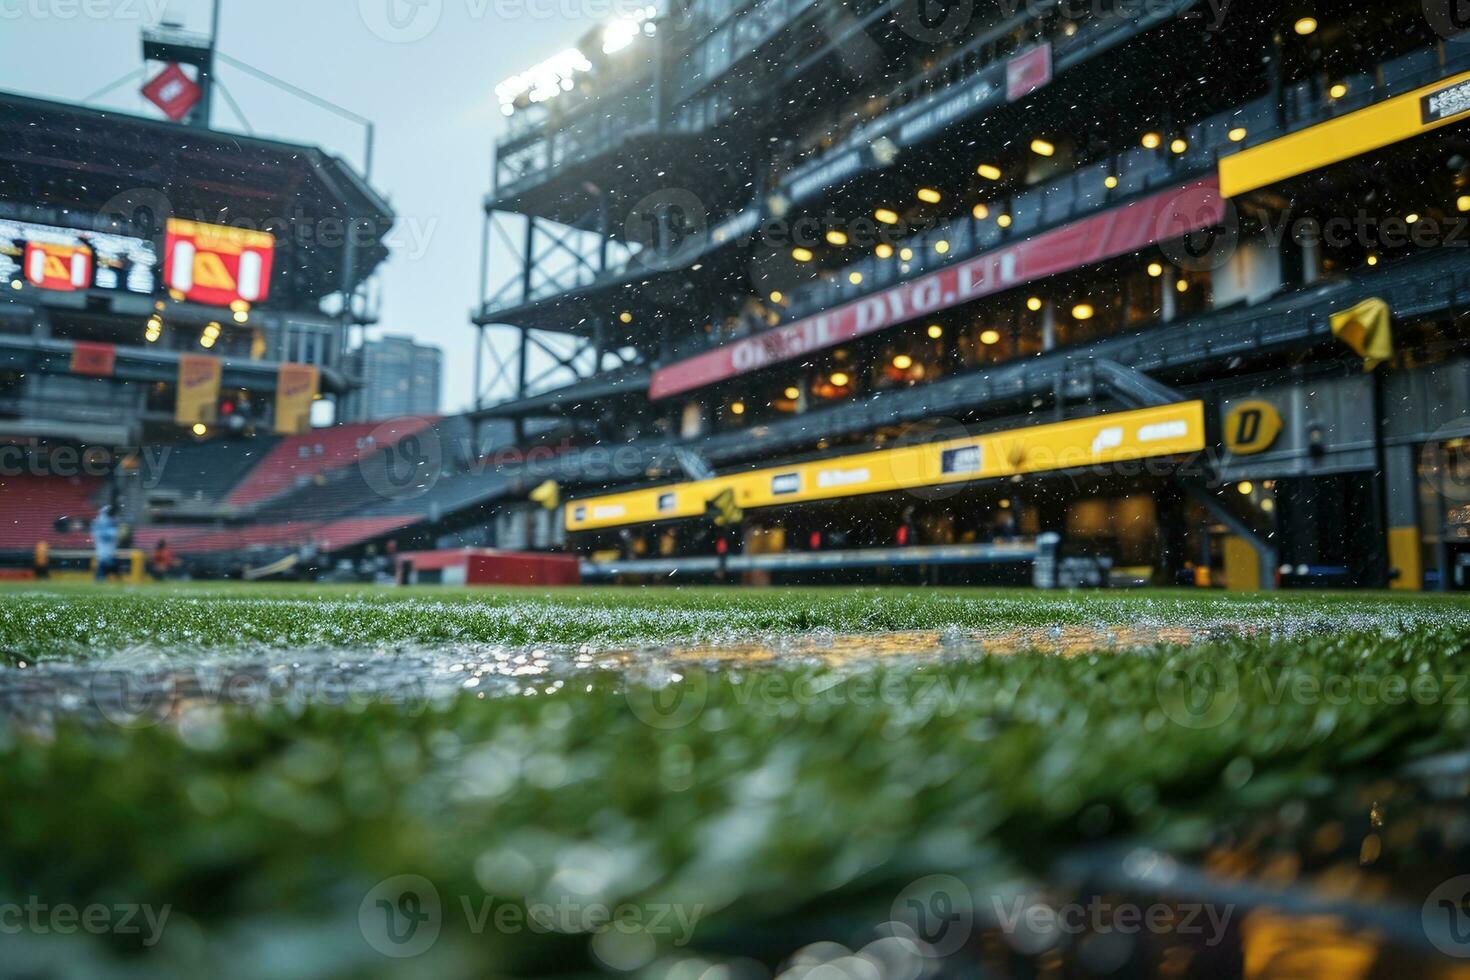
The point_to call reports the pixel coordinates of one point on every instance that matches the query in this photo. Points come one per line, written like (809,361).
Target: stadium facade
(1168,292)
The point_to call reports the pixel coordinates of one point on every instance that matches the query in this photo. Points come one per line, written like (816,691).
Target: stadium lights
(1004,221)
(981,212)
(801,254)
(1034,304)
(1083,311)
(547,80)
(1155,269)
(839,380)
(1182,285)
(1372,260)
(903,362)
(1246,488)
(1338,91)
(624,31)
(1043,148)
(737,408)
(1413,218)
(835,237)
(1179,146)
(1238,134)
(988,171)
(1152,141)
(1306,27)
(856,278)
(906,254)
(792,394)
(929,195)
(990,338)
(886,215)
(1110,182)
(884,250)
(776,296)
(935,331)
(1463,203)
(625,317)
(942,247)
(200,429)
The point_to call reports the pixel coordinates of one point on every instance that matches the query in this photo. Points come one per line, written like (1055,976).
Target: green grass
(783,818)
(86,620)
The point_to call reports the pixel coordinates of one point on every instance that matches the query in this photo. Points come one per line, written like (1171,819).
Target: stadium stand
(32,505)
(297,460)
(203,473)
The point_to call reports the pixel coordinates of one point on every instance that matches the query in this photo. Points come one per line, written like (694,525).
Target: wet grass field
(665,782)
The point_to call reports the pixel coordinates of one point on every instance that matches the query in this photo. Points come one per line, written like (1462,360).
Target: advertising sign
(1103,440)
(1164,216)
(218,265)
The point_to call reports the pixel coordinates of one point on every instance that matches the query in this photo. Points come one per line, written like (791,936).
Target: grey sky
(424,70)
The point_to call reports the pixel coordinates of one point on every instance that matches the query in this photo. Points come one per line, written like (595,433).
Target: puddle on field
(1364,880)
(1351,882)
(839,650)
(143,685)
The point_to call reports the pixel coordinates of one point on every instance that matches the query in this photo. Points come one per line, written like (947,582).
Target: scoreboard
(67,260)
(214,265)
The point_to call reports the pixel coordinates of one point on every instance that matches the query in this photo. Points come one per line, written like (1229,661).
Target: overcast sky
(424,70)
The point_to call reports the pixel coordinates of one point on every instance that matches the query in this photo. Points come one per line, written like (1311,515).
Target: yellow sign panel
(1354,134)
(296,389)
(1102,440)
(1252,427)
(198,389)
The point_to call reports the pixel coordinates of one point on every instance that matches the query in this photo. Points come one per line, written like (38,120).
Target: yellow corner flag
(548,495)
(726,512)
(1368,329)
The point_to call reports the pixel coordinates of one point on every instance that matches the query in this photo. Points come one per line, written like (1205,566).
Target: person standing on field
(104,541)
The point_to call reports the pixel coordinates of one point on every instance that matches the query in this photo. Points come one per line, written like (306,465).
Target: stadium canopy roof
(87,162)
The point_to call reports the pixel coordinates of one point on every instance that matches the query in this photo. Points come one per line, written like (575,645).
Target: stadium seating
(206,472)
(297,460)
(30,506)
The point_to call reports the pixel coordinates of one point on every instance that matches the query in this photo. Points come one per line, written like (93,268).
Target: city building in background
(1040,294)
(393,376)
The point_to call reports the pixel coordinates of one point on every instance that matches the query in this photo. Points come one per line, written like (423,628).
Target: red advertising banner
(1158,218)
(173,92)
(61,267)
(1025,73)
(218,265)
(96,360)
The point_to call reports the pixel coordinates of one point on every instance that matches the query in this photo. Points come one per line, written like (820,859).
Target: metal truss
(548,258)
(515,362)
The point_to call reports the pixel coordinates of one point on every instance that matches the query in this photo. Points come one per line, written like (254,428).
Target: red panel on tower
(173,92)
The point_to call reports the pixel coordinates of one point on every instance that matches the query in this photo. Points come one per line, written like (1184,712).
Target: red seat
(30,506)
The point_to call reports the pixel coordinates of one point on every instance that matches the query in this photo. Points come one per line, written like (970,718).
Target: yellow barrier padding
(1405,555)
(1391,121)
(1242,566)
(1148,433)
